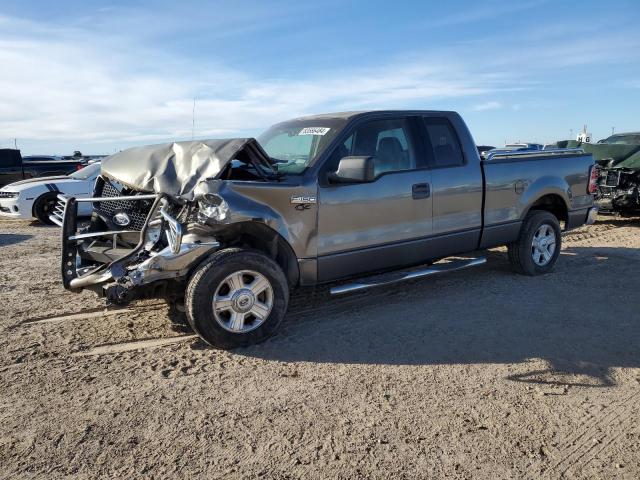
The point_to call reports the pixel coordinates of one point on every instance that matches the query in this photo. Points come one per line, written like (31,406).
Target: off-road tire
(205,280)
(519,252)
(43,207)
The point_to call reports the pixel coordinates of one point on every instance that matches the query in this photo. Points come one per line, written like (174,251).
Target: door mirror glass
(354,170)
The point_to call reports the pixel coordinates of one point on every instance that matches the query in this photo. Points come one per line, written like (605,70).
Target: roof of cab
(356,113)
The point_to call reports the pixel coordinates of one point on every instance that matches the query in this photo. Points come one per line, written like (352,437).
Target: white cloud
(83,87)
(76,85)
(484,11)
(492,105)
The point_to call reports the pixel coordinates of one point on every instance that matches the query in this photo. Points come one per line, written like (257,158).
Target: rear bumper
(585,216)
(592,215)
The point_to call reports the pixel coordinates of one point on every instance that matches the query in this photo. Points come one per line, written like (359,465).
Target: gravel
(476,374)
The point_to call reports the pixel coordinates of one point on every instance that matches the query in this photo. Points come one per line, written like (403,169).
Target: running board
(393,277)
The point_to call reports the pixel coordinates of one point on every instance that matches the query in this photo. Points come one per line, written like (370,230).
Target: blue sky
(102,76)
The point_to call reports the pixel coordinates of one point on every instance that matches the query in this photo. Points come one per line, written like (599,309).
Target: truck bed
(513,182)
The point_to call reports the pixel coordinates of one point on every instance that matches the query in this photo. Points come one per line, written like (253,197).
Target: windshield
(622,139)
(86,172)
(295,145)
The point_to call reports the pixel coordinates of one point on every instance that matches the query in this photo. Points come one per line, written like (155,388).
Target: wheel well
(258,236)
(553,204)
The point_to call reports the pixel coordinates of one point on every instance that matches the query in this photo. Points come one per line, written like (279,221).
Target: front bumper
(9,208)
(81,265)
(106,262)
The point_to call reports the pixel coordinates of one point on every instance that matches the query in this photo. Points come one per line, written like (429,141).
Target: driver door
(371,226)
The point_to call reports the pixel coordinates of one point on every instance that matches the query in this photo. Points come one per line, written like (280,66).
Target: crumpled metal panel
(174,169)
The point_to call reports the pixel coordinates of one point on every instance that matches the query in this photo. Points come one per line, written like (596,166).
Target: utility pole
(193,118)
(613,130)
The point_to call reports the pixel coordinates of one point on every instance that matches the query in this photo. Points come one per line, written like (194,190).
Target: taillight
(593,181)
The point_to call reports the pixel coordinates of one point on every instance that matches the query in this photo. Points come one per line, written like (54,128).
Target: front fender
(271,205)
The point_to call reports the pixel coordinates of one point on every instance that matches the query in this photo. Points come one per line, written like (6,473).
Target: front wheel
(538,246)
(236,298)
(43,207)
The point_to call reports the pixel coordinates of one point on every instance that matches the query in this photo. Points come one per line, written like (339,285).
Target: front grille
(136,210)
(8,194)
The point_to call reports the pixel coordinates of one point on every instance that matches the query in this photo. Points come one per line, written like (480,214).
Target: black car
(14,167)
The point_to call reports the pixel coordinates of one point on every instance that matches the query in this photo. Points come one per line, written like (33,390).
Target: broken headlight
(212,207)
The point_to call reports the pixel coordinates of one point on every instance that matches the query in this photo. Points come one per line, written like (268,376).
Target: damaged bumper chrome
(115,263)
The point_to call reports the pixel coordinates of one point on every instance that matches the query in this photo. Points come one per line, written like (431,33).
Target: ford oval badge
(121,219)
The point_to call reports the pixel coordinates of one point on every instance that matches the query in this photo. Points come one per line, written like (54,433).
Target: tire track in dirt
(121,347)
(82,315)
(582,444)
(88,314)
(81,319)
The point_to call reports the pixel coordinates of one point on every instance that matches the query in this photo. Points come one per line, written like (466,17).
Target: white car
(36,197)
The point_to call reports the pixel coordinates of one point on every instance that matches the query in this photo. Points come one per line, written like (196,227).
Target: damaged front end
(149,208)
(135,245)
(619,190)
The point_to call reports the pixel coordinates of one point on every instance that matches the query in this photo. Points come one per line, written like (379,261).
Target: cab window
(388,141)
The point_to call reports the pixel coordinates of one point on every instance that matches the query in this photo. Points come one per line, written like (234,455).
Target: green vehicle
(618,160)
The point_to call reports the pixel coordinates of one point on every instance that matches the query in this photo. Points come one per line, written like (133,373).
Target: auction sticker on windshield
(314,131)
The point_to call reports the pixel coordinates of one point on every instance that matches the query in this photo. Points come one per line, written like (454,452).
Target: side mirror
(353,170)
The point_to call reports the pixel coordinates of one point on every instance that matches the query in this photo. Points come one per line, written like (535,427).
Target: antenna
(193,118)
(613,130)
(15,143)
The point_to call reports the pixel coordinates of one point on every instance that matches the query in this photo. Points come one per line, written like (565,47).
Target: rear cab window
(442,143)
(10,158)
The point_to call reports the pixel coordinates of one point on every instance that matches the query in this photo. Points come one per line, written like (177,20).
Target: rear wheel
(538,246)
(43,207)
(236,298)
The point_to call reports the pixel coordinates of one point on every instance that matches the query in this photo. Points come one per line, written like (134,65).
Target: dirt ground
(476,374)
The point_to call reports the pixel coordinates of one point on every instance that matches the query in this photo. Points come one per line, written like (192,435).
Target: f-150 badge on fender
(299,200)
(303,202)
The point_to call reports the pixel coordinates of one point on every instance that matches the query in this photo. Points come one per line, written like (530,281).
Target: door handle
(420,190)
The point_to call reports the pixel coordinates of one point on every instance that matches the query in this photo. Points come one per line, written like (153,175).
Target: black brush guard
(75,276)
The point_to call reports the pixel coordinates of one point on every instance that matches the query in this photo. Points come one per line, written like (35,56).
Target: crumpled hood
(175,169)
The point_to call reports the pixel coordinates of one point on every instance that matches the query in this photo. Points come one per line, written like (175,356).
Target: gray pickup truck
(226,229)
